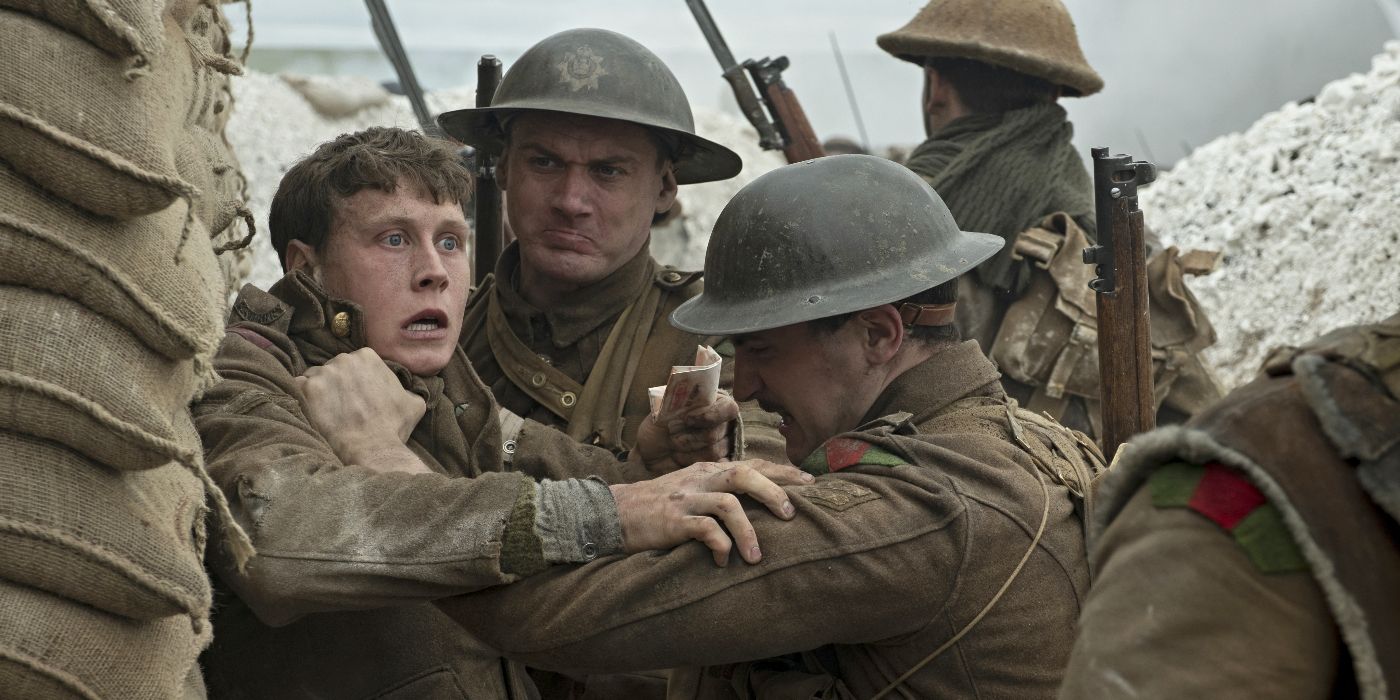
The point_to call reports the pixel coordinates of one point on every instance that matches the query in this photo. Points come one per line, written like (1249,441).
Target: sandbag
(124,270)
(128,543)
(72,121)
(73,377)
(52,648)
(123,28)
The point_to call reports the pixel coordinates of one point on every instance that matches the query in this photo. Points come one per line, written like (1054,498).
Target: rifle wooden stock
(801,139)
(1125,339)
(490,224)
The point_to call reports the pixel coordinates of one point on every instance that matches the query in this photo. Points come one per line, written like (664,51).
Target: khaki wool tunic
(564,353)
(881,566)
(335,605)
(1278,577)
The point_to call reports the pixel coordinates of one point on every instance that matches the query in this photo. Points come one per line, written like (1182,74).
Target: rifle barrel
(850,92)
(388,38)
(712,35)
(1124,315)
(768,134)
(490,224)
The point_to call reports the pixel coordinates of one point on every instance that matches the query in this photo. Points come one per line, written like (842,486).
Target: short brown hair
(379,157)
(988,89)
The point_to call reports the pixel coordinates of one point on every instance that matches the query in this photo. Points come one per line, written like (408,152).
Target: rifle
(1120,260)
(850,91)
(388,38)
(788,128)
(490,225)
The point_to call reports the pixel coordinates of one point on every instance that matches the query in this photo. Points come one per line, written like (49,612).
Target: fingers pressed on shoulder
(784,474)
(707,531)
(743,478)
(726,509)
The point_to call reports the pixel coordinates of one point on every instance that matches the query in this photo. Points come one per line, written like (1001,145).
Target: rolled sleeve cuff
(576,521)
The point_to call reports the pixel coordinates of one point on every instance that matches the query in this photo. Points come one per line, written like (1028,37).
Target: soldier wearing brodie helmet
(999,152)
(595,135)
(836,279)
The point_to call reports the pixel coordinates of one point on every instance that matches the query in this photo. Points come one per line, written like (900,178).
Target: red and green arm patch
(839,453)
(1228,499)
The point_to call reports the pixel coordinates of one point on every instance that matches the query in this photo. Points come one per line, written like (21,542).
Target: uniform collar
(323,326)
(589,308)
(957,371)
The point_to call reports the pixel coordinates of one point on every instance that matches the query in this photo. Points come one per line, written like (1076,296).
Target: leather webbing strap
(927,314)
(544,383)
(604,397)
(593,410)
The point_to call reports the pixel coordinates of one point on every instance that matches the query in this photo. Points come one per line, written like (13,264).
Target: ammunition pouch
(1048,338)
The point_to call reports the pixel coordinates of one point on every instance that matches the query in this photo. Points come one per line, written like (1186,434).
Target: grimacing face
(581,193)
(401,258)
(820,384)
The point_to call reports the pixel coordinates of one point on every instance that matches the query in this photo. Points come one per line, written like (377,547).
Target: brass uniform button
(340,324)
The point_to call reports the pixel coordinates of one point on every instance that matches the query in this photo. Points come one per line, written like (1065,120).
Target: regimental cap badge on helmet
(581,68)
(826,237)
(1035,37)
(597,73)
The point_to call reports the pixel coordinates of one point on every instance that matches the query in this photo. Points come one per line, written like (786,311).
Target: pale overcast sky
(1178,73)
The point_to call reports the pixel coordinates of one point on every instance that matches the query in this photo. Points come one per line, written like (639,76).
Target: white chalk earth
(1304,205)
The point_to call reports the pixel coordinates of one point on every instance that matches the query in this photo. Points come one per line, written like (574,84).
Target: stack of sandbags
(115,180)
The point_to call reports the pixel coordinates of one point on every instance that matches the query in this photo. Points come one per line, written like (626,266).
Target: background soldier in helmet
(917,452)
(571,329)
(999,152)
(1252,553)
(362,515)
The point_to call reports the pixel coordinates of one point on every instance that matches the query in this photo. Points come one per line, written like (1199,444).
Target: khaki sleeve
(543,452)
(1177,610)
(336,537)
(839,572)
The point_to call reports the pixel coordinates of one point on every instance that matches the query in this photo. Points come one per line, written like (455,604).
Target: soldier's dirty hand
(357,404)
(691,504)
(698,434)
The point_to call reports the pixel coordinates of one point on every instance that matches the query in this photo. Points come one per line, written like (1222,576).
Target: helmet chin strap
(927,314)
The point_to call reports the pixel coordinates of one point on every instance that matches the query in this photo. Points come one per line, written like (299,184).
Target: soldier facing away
(596,134)
(1252,553)
(999,152)
(942,537)
(360,520)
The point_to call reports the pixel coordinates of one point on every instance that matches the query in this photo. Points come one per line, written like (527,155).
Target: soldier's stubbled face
(821,383)
(580,193)
(400,257)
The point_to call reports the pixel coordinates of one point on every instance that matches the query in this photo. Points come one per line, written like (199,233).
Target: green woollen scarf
(1002,173)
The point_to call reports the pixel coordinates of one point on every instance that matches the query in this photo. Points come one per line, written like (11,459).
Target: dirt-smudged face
(580,193)
(400,257)
(820,384)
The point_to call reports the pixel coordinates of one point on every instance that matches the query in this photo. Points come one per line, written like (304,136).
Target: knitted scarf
(1001,173)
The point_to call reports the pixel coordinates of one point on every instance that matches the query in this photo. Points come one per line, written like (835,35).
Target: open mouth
(785,418)
(426,322)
